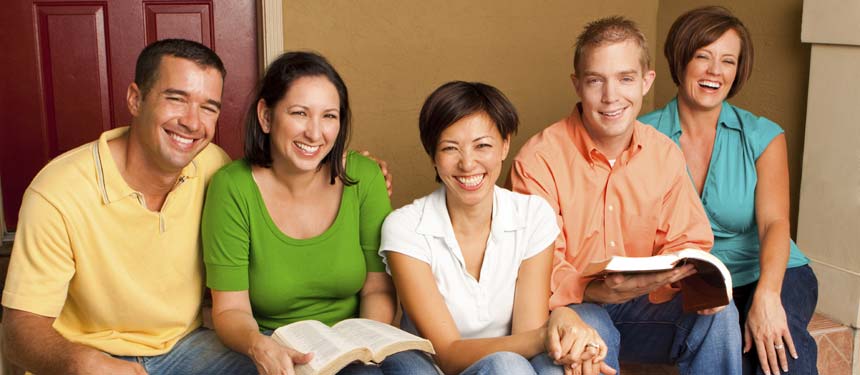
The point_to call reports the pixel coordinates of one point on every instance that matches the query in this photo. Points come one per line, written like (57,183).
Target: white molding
(272,31)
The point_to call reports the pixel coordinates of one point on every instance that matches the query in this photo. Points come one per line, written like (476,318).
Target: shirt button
(611,243)
(610,208)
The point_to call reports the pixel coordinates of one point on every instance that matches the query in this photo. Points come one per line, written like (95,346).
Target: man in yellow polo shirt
(106,274)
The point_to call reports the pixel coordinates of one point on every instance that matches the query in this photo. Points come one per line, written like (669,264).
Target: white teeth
(613,113)
(183,140)
(471,180)
(307,148)
(710,84)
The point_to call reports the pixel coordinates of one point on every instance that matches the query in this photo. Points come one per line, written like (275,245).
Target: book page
(316,337)
(632,264)
(382,339)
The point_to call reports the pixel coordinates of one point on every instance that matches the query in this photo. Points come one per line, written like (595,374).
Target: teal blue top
(729,190)
(291,279)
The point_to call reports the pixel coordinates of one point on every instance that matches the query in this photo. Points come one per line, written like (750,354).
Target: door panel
(68,63)
(73,33)
(186,21)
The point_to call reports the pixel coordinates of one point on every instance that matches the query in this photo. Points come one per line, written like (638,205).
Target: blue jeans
(410,362)
(512,363)
(642,332)
(799,297)
(199,352)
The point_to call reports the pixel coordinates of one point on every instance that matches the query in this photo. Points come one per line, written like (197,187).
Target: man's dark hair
(279,78)
(146,70)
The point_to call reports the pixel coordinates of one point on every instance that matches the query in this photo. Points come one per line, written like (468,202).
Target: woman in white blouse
(471,261)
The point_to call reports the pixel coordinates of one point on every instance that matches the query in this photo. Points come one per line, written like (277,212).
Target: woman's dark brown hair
(700,27)
(280,76)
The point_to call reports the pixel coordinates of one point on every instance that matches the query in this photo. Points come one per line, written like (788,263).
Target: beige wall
(392,54)
(830,192)
(778,86)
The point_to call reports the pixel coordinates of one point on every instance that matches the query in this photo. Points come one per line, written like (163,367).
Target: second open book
(711,286)
(347,341)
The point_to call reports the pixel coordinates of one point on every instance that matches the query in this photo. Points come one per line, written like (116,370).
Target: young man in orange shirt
(621,188)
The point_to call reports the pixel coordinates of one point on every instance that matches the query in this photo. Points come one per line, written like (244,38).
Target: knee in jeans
(507,363)
(729,316)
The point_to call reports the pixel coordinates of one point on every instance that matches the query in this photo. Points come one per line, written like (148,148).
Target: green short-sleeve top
(728,194)
(292,279)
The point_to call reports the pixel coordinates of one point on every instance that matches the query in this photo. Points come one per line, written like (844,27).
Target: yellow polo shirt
(117,276)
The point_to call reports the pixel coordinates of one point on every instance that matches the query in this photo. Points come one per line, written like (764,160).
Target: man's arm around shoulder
(31,342)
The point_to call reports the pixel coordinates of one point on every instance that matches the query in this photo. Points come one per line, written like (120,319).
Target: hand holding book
(620,287)
(350,340)
(273,358)
(705,282)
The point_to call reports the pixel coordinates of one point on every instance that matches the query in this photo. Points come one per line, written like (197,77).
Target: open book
(711,286)
(347,341)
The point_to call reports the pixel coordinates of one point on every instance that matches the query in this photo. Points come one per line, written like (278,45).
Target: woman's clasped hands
(576,346)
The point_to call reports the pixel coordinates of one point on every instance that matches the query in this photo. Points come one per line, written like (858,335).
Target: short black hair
(149,60)
(279,77)
(458,99)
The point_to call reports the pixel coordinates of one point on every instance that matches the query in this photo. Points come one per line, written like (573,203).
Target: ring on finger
(779,347)
(593,345)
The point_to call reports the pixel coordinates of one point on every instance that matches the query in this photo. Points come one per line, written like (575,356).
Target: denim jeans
(799,297)
(642,332)
(199,352)
(512,363)
(410,362)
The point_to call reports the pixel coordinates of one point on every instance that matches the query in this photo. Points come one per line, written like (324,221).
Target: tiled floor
(835,345)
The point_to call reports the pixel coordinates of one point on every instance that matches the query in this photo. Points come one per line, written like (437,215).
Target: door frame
(270,27)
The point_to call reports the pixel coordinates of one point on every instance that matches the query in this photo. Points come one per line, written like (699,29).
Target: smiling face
(709,75)
(176,119)
(303,125)
(468,159)
(611,85)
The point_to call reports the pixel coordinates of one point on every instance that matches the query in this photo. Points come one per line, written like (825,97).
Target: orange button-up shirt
(643,205)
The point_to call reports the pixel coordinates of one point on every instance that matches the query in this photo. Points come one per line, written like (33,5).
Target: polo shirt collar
(585,145)
(436,222)
(728,118)
(112,186)
(673,117)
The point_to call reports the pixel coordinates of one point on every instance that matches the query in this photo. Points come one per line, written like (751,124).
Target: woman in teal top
(738,163)
(291,232)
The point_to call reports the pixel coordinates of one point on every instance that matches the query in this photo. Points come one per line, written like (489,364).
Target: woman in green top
(739,165)
(291,232)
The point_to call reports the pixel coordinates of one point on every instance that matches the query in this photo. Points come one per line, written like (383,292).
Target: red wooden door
(66,64)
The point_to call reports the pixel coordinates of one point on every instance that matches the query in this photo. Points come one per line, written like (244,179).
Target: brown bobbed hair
(279,77)
(609,30)
(700,27)
(458,99)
